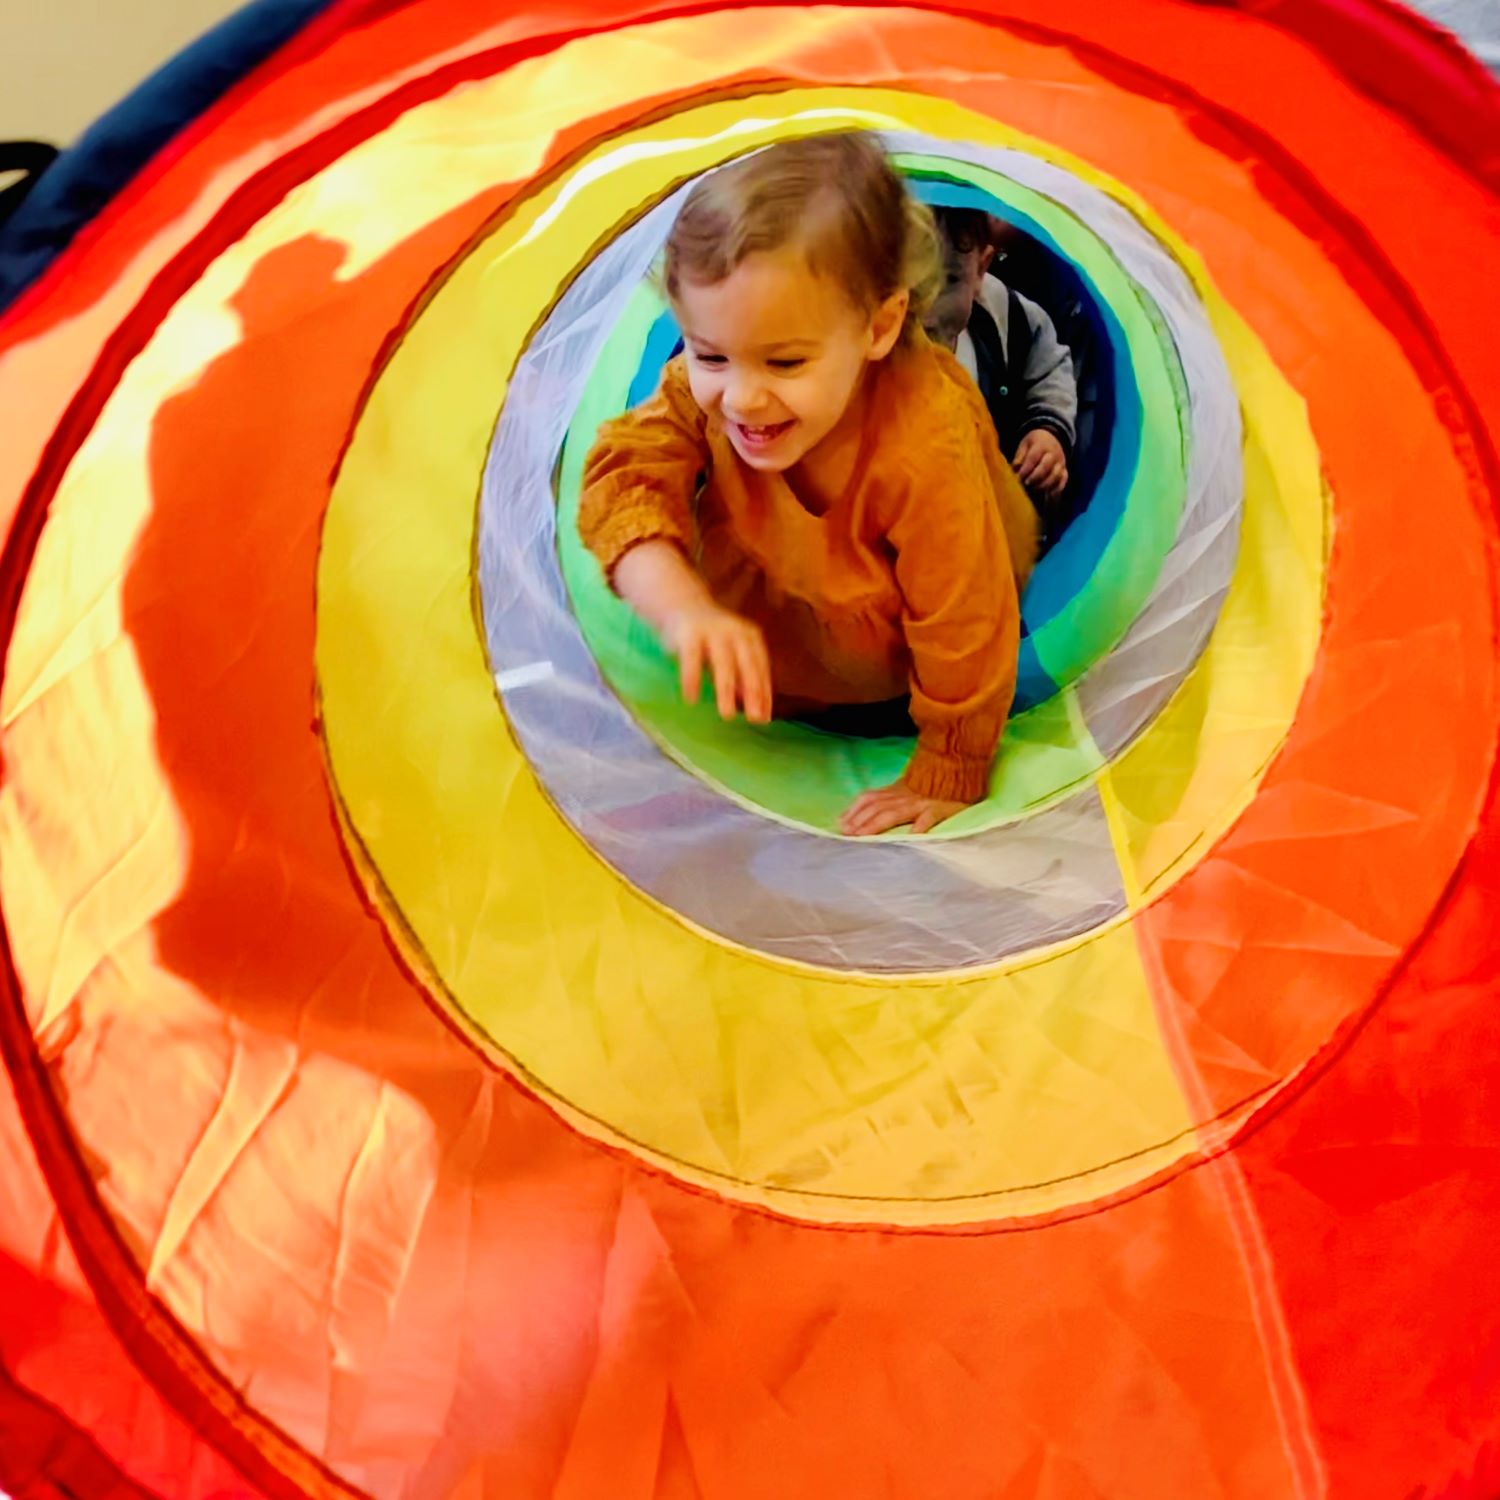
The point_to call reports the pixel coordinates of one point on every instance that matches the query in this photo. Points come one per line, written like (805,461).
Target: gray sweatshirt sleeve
(1051,388)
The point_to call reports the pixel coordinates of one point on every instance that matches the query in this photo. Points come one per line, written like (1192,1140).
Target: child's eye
(709,359)
(787,364)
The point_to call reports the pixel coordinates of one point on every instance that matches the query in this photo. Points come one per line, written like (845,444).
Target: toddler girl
(813,506)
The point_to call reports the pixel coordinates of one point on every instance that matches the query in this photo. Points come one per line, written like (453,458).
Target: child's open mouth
(762,437)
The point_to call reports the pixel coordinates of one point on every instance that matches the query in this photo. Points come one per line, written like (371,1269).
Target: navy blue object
(31,159)
(83,179)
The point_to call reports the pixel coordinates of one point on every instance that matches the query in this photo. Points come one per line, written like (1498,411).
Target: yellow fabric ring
(833,1096)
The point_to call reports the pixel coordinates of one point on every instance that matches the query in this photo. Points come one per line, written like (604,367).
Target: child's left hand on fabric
(895,806)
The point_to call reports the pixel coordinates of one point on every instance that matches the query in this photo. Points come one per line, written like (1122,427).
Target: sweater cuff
(948,778)
(628,528)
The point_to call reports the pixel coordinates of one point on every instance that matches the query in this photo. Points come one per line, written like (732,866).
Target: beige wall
(64,62)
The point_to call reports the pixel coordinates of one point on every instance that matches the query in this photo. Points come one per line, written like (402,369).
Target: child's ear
(886,325)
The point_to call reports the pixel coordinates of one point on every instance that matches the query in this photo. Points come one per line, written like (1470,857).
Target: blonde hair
(836,197)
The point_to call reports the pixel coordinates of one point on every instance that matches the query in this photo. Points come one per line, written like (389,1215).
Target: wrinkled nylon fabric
(364,1229)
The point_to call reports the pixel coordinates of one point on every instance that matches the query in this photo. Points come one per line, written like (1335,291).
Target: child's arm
(664,588)
(641,473)
(1050,415)
(962,623)
(635,516)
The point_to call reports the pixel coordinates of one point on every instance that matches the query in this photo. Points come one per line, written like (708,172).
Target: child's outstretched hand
(705,634)
(658,581)
(1041,464)
(895,806)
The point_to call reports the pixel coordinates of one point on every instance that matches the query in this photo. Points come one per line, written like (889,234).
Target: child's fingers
(931,815)
(894,807)
(854,809)
(690,664)
(879,812)
(854,813)
(755,677)
(883,819)
(1049,474)
(763,670)
(726,678)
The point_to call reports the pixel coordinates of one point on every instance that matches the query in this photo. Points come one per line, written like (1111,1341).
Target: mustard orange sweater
(908,582)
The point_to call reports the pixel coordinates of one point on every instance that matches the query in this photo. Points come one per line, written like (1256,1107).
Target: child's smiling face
(778,352)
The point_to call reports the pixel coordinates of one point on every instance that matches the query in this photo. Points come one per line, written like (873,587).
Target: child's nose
(744,393)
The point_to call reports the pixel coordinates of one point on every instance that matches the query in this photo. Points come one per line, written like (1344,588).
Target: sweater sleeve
(961,617)
(1051,386)
(640,476)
